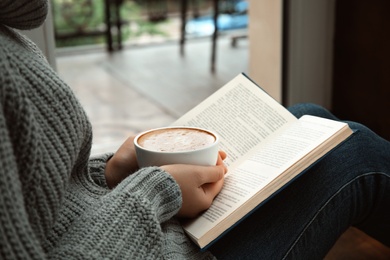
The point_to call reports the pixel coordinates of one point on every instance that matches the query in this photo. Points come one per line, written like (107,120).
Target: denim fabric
(349,187)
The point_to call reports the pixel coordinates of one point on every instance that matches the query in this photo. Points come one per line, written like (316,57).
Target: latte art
(176,140)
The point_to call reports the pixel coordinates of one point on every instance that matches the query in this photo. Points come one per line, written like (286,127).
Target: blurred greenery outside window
(82,22)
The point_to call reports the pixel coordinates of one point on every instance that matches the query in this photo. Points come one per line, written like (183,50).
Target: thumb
(212,174)
(213,186)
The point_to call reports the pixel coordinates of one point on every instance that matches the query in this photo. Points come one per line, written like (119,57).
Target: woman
(56,202)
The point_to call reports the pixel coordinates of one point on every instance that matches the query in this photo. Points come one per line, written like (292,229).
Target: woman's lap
(348,187)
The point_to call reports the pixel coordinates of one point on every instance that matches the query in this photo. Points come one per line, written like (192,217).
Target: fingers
(211,182)
(213,174)
(121,164)
(211,187)
(221,157)
(211,190)
(128,144)
(199,185)
(210,174)
(222,154)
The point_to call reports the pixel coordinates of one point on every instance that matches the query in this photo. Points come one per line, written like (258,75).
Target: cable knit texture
(23,14)
(54,202)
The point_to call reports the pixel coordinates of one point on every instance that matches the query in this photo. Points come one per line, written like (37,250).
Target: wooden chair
(113,20)
(183,15)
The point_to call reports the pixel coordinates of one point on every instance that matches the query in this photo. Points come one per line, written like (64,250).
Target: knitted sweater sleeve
(17,237)
(93,222)
(124,223)
(97,166)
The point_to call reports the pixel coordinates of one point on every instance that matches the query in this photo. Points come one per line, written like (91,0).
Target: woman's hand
(122,164)
(199,184)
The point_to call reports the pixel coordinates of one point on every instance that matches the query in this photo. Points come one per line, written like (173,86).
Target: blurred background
(142,64)
(136,65)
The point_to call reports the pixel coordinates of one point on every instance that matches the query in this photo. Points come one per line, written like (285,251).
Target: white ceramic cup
(185,145)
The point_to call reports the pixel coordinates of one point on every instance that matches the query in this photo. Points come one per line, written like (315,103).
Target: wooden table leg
(108,26)
(215,36)
(118,21)
(183,15)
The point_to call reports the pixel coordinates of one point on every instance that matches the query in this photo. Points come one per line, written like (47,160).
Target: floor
(145,87)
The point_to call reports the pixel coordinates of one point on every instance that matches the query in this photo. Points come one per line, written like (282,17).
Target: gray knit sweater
(54,202)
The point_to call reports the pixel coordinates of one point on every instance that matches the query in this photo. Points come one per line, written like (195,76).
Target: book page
(242,114)
(254,176)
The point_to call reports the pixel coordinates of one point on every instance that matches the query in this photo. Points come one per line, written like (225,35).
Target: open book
(267,147)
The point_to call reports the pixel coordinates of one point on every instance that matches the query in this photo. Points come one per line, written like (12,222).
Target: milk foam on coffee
(176,140)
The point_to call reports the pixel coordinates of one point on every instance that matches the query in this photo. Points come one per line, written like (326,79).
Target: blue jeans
(349,187)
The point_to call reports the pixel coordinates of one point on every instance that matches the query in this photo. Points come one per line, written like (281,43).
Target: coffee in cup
(177,144)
